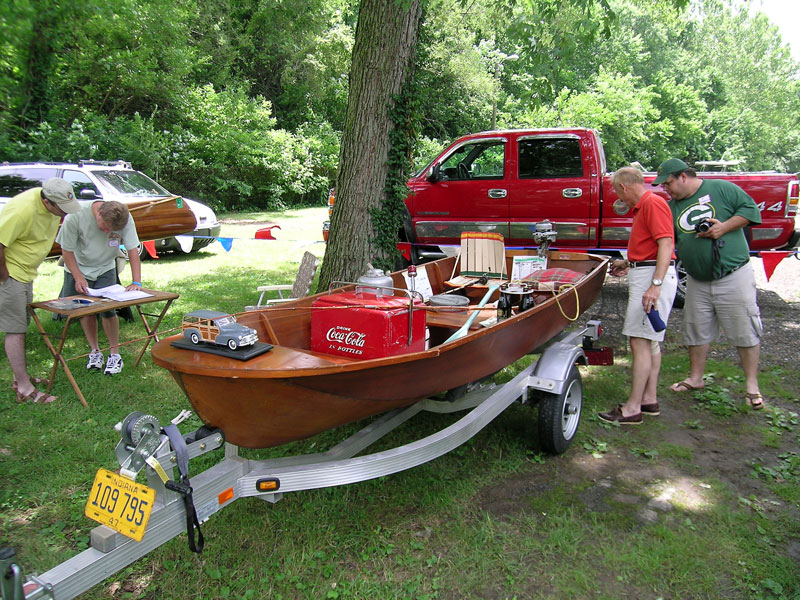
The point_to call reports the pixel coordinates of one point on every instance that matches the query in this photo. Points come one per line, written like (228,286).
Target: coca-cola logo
(345,335)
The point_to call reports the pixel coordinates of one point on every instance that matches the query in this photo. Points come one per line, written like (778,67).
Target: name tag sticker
(705,199)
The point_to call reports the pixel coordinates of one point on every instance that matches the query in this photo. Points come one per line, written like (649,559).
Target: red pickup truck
(508,181)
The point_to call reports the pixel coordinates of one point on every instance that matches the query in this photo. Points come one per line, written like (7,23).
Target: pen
(81,301)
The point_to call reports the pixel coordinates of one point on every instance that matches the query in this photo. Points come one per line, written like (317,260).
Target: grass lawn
(701,502)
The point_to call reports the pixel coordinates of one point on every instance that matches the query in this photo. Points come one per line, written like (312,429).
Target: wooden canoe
(292,392)
(156,219)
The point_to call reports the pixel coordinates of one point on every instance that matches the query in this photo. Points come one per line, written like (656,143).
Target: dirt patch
(696,451)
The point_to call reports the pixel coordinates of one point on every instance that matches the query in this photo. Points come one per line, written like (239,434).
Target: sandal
(34,381)
(36,397)
(684,386)
(754,401)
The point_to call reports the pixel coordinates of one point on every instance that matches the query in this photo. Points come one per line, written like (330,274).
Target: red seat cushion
(557,276)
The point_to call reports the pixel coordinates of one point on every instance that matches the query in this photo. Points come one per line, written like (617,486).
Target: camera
(703,226)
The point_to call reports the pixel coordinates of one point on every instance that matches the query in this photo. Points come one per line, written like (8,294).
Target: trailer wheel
(559,414)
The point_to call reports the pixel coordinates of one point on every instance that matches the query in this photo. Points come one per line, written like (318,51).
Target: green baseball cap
(667,168)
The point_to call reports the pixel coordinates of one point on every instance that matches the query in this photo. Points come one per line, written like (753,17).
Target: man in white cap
(28,226)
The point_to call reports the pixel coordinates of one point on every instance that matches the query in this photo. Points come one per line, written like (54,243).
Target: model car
(218,328)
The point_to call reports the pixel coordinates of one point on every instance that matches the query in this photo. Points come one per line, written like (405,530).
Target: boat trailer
(180,505)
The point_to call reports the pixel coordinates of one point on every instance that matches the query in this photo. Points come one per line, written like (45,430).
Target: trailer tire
(560,414)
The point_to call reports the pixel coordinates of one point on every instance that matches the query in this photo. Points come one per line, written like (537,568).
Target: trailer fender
(551,372)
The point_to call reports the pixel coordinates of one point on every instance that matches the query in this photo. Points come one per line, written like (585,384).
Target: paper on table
(117,292)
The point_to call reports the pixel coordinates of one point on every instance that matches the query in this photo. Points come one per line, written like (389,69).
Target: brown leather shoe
(651,409)
(615,415)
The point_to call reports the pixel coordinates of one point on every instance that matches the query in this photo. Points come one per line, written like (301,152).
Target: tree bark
(386,36)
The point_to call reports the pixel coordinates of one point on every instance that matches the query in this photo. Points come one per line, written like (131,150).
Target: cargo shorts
(729,304)
(14,298)
(636,322)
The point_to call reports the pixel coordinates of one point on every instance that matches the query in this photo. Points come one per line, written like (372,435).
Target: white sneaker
(113,364)
(95,361)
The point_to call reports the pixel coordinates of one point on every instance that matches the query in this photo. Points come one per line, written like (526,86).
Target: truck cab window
(483,160)
(548,158)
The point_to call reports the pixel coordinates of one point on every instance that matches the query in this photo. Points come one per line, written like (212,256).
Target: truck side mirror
(434,175)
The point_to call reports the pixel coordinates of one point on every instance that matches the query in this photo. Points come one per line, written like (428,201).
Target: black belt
(729,271)
(650,263)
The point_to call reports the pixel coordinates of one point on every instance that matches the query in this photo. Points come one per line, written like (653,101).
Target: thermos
(655,320)
(378,280)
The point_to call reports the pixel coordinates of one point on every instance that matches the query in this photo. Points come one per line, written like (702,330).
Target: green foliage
(243,103)
(227,147)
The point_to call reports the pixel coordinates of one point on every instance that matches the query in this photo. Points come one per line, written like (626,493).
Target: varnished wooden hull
(156,219)
(292,393)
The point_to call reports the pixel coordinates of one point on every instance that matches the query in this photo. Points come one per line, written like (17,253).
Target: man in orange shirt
(652,283)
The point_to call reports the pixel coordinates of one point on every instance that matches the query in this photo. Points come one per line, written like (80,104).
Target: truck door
(552,183)
(469,193)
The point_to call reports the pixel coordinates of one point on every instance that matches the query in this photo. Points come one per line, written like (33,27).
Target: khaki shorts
(636,322)
(728,303)
(14,298)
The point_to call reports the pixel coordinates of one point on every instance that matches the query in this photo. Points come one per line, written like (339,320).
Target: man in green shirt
(90,241)
(28,225)
(709,216)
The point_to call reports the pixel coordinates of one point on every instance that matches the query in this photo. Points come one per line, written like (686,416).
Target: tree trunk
(386,36)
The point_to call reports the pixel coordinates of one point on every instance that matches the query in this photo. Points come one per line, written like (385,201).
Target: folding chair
(482,254)
(301,286)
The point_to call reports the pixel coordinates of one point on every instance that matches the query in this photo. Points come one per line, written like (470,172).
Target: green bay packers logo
(692,215)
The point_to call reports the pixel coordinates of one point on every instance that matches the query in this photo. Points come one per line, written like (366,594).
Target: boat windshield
(131,183)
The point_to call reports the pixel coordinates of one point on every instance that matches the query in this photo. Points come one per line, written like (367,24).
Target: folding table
(87,306)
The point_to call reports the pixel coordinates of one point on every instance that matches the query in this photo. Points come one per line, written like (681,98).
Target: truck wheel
(232,344)
(680,296)
(560,414)
(195,338)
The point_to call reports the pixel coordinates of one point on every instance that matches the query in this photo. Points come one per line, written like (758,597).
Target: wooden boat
(156,219)
(293,392)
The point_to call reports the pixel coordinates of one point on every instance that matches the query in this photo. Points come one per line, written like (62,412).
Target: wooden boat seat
(454,320)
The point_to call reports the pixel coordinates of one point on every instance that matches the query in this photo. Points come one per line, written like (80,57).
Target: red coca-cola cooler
(363,325)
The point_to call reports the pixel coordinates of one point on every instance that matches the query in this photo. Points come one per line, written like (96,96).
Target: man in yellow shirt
(28,226)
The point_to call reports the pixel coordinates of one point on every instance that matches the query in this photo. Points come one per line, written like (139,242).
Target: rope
(577,302)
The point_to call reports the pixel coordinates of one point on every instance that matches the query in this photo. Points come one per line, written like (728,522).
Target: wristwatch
(657,282)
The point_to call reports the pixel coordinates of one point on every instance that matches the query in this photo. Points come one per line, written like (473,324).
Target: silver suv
(109,181)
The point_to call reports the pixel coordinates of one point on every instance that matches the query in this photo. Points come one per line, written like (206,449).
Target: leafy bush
(226,151)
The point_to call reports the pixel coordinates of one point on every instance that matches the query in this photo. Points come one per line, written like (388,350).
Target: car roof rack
(104,163)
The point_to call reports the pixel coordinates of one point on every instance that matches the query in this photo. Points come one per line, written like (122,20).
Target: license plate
(121,504)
